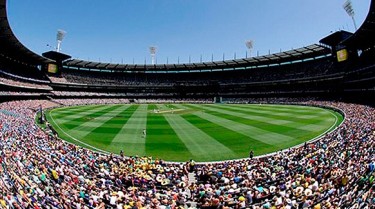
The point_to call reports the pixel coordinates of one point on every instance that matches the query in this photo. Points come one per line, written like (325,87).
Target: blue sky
(120,31)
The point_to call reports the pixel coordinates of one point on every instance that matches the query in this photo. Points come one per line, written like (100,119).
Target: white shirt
(113,200)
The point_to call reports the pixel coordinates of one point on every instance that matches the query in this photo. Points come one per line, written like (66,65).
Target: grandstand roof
(57,56)
(11,47)
(307,52)
(334,39)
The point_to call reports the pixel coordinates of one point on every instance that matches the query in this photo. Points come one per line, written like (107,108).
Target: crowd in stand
(108,94)
(18,77)
(85,93)
(17,83)
(57,79)
(19,93)
(40,171)
(70,102)
(92,78)
(268,100)
(180,100)
(301,70)
(11,79)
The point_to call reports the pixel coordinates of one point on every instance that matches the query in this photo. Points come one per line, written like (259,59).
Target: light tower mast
(153,54)
(350,11)
(249,45)
(59,37)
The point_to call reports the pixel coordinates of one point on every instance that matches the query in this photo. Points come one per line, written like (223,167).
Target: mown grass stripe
(79,114)
(290,115)
(297,134)
(87,116)
(88,126)
(282,108)
(303,122)
(94,122)
(60,114)
(79,108)
(162,142)
(222,110)
(319,125)
(244,119)
(297,109)
(236,141)
(64,113)
(198,143)
(131,134)
(255,133)
(230,110)
(313,123)
(103,135)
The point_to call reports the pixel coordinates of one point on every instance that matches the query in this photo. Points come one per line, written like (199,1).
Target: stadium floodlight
(153,54)
(350,11)
(59,37)
(249,45)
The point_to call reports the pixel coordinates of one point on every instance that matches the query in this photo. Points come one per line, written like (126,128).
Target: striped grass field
(179,132)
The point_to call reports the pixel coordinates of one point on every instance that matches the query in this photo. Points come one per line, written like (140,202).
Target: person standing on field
(144,133)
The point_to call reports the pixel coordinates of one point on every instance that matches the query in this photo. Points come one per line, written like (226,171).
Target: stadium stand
(39,170)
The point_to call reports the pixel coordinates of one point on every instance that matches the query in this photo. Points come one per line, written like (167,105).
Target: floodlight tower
(153,54)
(249,45)
(350,11)
(60,36)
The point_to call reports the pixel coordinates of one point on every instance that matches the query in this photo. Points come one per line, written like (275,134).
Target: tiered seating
(305,70)
(40,171)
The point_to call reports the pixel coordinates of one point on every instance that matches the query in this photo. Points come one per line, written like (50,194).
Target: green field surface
(179,132)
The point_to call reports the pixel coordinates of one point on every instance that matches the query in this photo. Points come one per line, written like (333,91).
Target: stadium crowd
(7,78)
(38,170)
(19,93)
(85,93)
(303,70)
(71,102)
(12,82)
